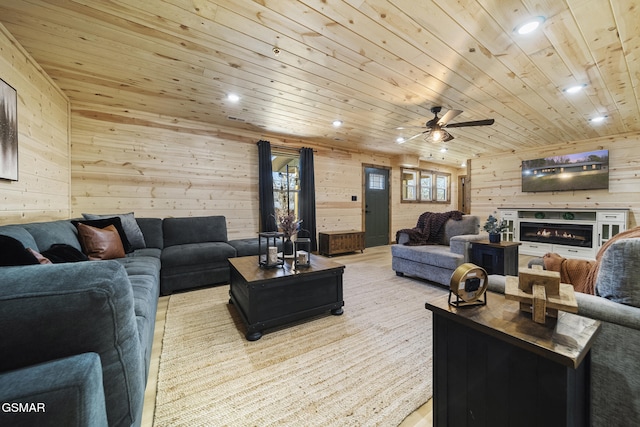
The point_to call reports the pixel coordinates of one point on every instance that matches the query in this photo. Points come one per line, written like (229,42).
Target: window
(425,186)
(409,185)
(286,182)
(376,181)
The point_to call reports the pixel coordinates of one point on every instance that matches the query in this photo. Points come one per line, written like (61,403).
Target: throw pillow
(130,226)
(41,259)
(61,252)
(13,252)
(617,277)
(100,243)
(104,222)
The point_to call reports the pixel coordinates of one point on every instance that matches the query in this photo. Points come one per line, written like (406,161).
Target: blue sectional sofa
(77,336)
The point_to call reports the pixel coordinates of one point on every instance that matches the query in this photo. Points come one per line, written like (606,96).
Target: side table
(496,258)
(494,366)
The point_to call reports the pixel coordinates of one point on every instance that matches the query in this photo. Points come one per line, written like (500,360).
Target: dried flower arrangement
(288,224)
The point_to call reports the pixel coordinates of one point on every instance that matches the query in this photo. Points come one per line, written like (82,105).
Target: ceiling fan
(435,128)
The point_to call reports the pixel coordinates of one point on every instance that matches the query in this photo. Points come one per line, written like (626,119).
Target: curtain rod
(285,148)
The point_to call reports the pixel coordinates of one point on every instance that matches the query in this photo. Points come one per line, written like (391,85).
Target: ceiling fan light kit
(434,129)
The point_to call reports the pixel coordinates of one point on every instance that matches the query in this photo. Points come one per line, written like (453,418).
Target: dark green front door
(376,200)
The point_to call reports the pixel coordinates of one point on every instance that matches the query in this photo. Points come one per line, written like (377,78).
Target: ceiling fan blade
(414,137)
(409,127)
(450,115)
(486,122)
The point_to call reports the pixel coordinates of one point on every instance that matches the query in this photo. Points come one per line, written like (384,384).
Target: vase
(288,246)
(494,237)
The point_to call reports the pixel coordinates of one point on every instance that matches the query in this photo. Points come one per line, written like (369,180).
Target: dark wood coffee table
(269,297)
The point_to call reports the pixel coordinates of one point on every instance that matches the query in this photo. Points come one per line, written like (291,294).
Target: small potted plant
(494,227)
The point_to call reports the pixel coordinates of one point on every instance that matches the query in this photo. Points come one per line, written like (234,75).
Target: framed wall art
(8,132)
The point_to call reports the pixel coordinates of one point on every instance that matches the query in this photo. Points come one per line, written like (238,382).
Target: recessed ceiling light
(530,25)
(463,165)
(574,88)
(233,97)
(598,119)
(337,123)
(443,150)
(400,140)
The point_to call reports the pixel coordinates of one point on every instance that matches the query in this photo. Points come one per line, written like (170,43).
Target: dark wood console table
(494,366)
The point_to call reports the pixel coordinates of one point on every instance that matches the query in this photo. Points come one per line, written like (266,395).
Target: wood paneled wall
(496,180)
(125,161)
(43,189)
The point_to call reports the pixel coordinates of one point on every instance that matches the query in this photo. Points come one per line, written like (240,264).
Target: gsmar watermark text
(23,407)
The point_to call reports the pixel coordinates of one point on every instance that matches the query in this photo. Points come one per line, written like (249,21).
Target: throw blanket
(430,228)
(572,271)
(582,274)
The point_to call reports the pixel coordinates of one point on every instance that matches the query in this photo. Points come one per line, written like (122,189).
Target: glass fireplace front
(563,234)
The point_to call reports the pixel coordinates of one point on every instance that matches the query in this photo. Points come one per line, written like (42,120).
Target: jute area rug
(369,367)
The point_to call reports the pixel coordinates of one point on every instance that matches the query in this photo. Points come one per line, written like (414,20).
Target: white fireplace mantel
(605,223)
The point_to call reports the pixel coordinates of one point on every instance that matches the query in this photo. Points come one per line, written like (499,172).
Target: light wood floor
(380,255)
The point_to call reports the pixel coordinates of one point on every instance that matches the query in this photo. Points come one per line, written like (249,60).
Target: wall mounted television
(580,171)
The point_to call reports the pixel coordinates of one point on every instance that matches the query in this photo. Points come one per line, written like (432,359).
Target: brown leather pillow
(100,243)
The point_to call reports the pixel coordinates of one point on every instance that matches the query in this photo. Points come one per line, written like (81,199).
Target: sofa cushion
(617,279)
(196,254)
(47,234)
(130,226)
(20,233)
(245,247)
(100,243)
(152,231)
(436,255)
(178,231)
(469,224)
(146,265)
(146,252)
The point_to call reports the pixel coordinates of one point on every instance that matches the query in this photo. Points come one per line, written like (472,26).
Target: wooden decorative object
(541,293)
(339,242)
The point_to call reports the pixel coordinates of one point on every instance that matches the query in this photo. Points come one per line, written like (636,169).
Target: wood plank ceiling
(374,64)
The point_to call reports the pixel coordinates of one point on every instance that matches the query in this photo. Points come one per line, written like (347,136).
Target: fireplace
(562,234)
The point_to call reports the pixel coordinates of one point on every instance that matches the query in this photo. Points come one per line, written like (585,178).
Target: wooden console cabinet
(494,366)
(339,242)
